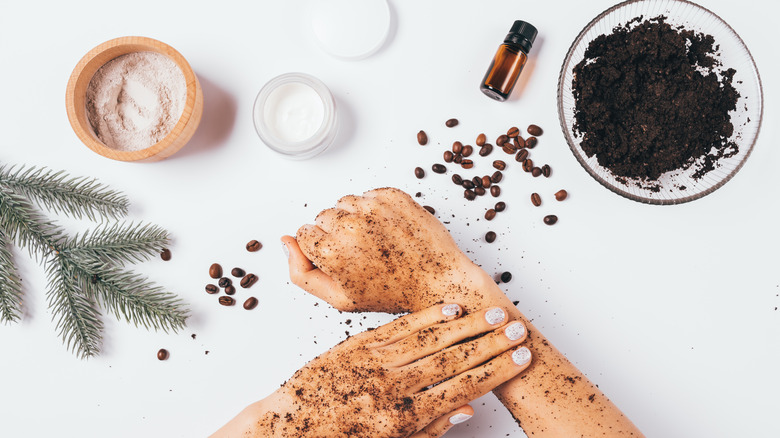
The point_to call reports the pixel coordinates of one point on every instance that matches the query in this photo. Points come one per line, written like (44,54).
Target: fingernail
(521,356)
(459,418)
(495,316)
(286,251)
(515,331)
(450,310)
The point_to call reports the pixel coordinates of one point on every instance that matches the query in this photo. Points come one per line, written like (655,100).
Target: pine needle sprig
(26,226)
(10,284)
(57,192)
(121,243)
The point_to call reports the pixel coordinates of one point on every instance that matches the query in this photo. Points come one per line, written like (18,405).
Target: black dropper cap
(522,34)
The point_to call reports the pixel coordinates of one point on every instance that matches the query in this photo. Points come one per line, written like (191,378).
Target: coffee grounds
(650,99)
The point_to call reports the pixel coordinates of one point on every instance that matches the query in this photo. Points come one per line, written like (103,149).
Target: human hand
(378,383)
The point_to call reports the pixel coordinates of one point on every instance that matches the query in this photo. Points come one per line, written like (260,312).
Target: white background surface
(672,311)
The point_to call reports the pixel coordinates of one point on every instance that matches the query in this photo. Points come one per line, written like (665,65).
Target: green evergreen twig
(121,243)
(10,285)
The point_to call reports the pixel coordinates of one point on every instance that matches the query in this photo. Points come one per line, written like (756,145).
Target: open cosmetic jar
(295,116)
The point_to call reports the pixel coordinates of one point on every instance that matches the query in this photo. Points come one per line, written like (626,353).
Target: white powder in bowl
(135,100)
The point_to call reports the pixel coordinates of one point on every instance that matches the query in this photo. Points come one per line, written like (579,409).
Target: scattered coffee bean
(212,288)
(468,184)
(536,200)
(497,177)
(536,171)
(521,156)
(500,206)
(430,209)
(225,282)
(519,142)
(490,214)
(481,139)
(422,138)
(469,194)
(534,130)
(509,149)
(215,271)
(254,246)
(457,147)
(451,123)
(457,179)
(506,277)
(230,289)
(502,140)
(448,156)
(439,168)
(457,159)
(499,165)
(485,150)
(226,301)
(419,172)
(546,170)
(467,151)
(495,191)
(248,280)
(467,164)
(513,132)
(560,195)
(531,142)
(490,237)
(479,191)
(550,219)
(477,181)
(528,164)
(165,254)
(486,182)
(162,354)
(250,303)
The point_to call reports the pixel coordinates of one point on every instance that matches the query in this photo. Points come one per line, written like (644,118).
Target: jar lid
(350,29)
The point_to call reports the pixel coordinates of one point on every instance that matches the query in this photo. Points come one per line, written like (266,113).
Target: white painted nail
(521,356)
(286,251)
(515,331)
(495,316)
(459,418)
(450,310)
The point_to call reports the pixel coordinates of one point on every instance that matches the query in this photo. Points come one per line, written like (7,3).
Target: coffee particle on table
(457,148)
(215,271)
(451,123)
(490,237)
(419,172)
(430,209)
(546,170)
(226,301)
(531,142)
(481,139)
(162,354)
(550,219)
(439,168)
(495,191)
(225,282)
(467,151)
(230,289)
(254,246)
(500,206)
(165,254)
(448,156)
(248,281)
(536,171)
(237,272)
(250,303)
(456,179)
(212,288)
(422,138)
(536,200)
(560,195)
(513,132)
(496,177)
(534,130)
(490,214)
(506,277)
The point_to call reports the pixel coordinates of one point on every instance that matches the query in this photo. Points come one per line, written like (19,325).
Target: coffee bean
(534,130)
(162,354)
(230,289)
(468,184)
(500,206)
(467,151)
(500,165)
(248,280)
(225,282)
(226,301)
(469,194)
(422,138)
(550,219)
(481,139)
(215,271)
(451,123)
(457,179)
(439,168)
(536,200)
(506,277)
(479,191)
(519,142)
(212,288)
(495,191)
(546,170)
(467,164)
(490,214)
(497,177)
(502,140)
(477,181)
(509,149)
(486,182)
(254,246)
(419,172)
(490,237)
(165,254)
(250,303)
(530,142)
(528,164)
(560,195)
(513,132)
(522,154)
(457,147)
(430,209)
(536,171)
(457,159)
(485,150)
(448,156)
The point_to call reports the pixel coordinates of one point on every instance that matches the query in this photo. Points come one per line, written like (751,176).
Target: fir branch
(119,243)
(10,284)
(24,225)
(60,193)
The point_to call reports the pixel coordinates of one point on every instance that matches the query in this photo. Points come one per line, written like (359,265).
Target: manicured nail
(521,356)
(495,316)
(459,418)
(450,310)
(515,331)
(286,251)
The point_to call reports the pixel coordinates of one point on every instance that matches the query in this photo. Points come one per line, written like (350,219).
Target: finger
(459,358)
(414,322)
(328,219)
(442,424)
(306,276)
(435,338)
(354,204)
(474,383)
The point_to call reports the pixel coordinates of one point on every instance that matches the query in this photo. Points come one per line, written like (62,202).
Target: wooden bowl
(75,99)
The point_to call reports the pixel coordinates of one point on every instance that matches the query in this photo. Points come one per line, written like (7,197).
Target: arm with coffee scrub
(382,252)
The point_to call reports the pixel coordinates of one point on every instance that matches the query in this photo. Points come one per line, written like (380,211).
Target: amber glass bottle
(509,61)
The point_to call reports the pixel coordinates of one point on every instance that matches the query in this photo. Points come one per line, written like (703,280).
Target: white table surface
(672,311)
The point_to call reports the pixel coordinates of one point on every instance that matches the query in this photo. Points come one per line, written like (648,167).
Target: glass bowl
(676,186)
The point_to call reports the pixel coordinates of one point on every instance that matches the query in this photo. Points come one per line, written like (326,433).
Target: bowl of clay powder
(134,99)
